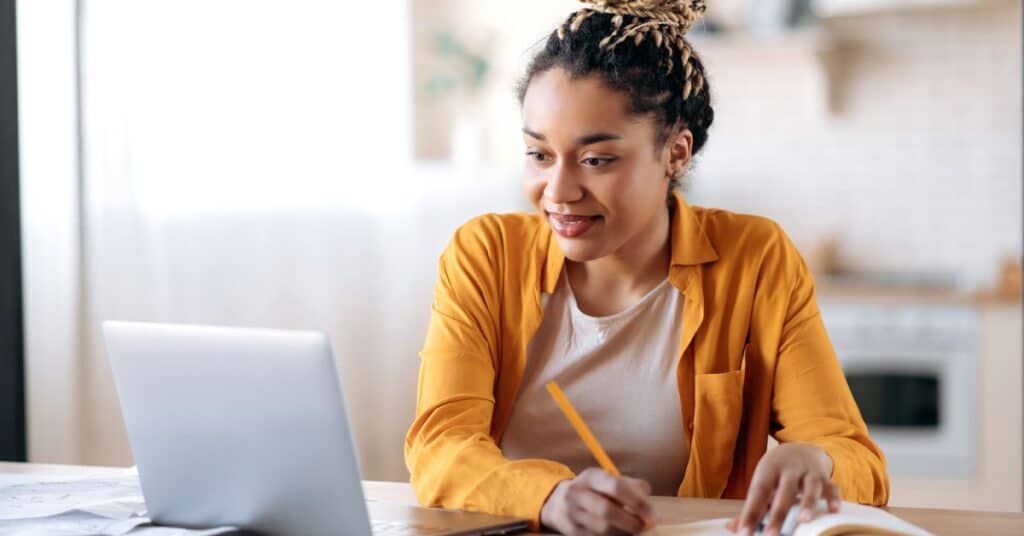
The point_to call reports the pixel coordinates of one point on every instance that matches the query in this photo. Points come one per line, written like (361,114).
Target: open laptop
(247,428)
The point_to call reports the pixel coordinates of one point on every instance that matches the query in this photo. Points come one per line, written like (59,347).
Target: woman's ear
(680,149)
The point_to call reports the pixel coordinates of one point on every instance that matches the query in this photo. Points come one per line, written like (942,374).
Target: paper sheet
(108,504)
(81,524)
(71,523)
(114,497)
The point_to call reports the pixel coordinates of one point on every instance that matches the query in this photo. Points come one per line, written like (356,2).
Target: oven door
(918,408)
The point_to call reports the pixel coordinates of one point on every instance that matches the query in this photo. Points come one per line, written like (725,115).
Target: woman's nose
(562,185)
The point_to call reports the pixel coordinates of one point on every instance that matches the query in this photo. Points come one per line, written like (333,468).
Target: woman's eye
(594,161)
(536,156)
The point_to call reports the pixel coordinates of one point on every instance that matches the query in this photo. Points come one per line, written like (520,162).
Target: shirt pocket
(718,412)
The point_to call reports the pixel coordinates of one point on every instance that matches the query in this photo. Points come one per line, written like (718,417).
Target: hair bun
(663,22)
(682,14)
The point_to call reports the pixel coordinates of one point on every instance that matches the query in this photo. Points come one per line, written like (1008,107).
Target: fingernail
(744,530)
(805,515)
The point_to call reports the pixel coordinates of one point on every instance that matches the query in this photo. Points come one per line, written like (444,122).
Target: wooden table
(671,509)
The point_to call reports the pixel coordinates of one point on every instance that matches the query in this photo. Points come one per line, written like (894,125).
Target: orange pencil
(582,429)
(585,434)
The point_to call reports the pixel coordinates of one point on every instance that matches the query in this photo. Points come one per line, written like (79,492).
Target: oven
(912,371)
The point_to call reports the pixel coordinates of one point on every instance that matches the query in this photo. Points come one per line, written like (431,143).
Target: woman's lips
(572,225)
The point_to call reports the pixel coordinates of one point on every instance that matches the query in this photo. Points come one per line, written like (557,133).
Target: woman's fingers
(785,497)
(830,492)
(811,489)
(603,516)
(631,493)
(787,470)
(757,502)
(596,502)
(590,523)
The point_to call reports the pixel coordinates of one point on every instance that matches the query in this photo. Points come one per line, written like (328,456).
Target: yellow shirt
(755,360)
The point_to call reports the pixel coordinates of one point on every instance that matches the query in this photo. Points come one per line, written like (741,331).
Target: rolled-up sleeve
(812,402)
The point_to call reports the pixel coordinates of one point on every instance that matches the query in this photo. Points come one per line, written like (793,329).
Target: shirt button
(689,426)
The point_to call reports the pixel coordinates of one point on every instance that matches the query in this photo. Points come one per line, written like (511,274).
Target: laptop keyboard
(402,528)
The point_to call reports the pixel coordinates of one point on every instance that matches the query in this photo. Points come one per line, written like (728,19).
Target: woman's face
(592,168)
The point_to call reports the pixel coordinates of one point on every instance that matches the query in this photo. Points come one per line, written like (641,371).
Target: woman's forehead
(557,105)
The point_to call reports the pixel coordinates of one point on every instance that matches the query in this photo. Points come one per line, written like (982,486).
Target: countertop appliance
(912,370)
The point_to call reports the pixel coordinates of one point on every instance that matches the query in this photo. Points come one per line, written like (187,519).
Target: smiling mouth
(572,225)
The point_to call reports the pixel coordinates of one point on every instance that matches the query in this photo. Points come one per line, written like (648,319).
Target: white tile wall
(898,133)
(918,164)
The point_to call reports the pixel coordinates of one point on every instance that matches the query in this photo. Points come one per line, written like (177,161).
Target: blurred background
(302,165)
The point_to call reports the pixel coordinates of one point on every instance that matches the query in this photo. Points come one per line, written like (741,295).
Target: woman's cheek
(533,189)
(611,190)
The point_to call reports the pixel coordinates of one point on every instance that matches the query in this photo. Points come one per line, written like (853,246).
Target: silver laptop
(247,428)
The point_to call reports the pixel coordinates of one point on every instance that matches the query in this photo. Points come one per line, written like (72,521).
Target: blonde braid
(666,22)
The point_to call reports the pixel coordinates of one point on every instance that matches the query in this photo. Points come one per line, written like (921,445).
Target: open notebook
(852,518)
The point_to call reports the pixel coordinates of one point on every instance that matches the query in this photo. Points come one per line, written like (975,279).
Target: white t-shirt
(619,372)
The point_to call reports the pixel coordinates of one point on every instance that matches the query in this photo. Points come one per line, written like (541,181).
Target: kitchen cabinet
(838,8)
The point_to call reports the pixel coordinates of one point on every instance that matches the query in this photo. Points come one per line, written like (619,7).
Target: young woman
(684,336)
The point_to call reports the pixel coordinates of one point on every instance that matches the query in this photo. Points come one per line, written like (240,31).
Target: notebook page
(851,518)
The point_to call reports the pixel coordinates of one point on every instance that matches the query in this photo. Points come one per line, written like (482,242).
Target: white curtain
(248,163)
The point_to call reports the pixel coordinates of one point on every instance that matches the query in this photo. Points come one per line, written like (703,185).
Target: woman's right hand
(596,502)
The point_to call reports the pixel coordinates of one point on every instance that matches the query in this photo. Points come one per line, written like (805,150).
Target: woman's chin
(580,250)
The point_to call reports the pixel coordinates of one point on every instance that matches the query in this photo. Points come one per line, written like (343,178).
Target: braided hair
(638,47)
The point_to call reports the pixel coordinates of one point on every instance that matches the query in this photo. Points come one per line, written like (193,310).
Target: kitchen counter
(906,295)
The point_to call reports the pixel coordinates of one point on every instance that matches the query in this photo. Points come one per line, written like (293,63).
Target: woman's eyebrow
(582,140)
(532,134)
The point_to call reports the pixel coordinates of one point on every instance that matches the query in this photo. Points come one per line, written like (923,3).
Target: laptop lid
(247,427)
(232,426)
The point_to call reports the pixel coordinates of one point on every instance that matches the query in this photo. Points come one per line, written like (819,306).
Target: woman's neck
(613,282)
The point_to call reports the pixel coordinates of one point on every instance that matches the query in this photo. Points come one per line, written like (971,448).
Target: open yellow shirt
(755,360)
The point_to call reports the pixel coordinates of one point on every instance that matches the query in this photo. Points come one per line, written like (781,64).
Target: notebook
(852,518)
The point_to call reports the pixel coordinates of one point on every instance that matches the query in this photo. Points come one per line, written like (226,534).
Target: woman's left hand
(788,470)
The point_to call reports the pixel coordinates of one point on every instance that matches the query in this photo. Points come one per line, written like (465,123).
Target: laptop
(247,428)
